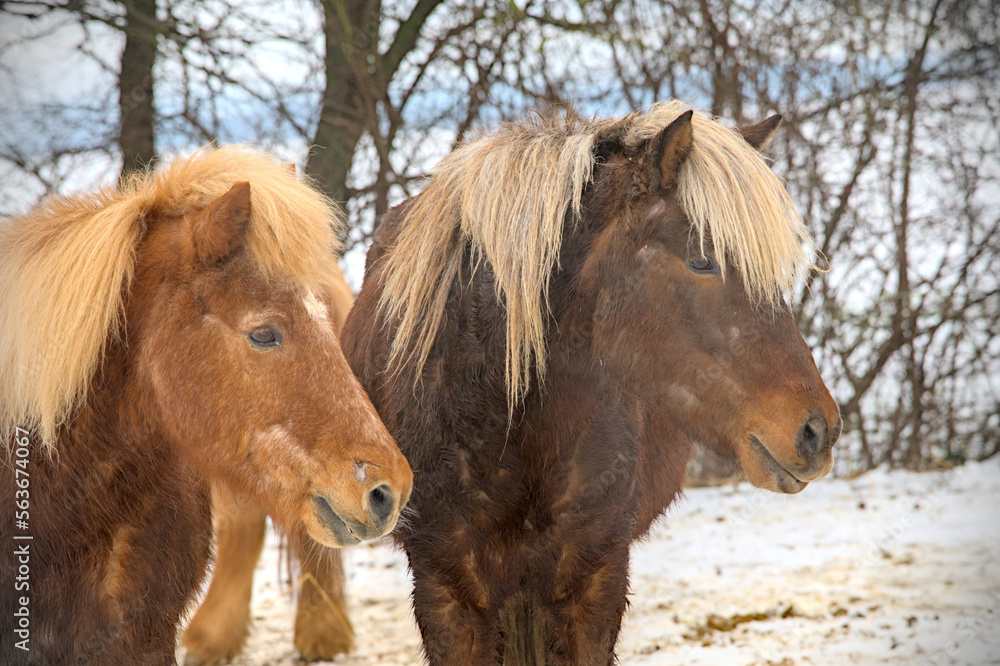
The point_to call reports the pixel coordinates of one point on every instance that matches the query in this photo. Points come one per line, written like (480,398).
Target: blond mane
(66,267)
(508,194)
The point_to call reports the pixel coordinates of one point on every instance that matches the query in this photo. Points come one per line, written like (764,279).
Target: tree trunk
(351,32)
(357,80)
(913,455)
(135,85)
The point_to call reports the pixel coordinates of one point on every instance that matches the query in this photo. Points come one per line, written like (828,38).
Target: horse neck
(115,420)
(573,391)
(572,445)
(577,394)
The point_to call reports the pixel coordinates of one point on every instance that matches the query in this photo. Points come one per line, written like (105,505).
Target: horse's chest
(120,542)
(532,487)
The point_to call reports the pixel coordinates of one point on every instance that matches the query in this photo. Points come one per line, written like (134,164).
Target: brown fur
(524,510)
(219,629)
(174,394)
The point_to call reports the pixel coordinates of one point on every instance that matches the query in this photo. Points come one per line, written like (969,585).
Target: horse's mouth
(344,532)
(786,481)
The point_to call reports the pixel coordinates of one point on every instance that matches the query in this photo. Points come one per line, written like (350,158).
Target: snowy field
(888,568)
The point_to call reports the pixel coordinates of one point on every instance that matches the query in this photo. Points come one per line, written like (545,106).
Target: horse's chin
(334,528)
(764,471)
(329,539)
(325,526)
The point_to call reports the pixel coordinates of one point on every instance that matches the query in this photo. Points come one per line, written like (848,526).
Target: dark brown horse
(546,330)
(158,337)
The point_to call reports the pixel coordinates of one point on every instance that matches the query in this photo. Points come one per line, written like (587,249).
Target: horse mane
(65,269)
(507,194)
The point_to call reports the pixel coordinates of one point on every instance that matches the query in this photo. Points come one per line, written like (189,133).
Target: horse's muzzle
(345,532)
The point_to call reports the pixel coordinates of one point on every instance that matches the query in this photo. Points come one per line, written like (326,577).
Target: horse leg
(586,614)
(322,629)
(220,627)
(454,628)
(574,622)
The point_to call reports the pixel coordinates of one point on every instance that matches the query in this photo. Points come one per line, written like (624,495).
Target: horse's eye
(264,337)
(703,265)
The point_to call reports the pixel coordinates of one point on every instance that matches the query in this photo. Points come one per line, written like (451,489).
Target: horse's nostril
(809,435)
(811,438)
(381,502)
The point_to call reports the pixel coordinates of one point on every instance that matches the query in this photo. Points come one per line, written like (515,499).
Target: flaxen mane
(65,268)
(508,193)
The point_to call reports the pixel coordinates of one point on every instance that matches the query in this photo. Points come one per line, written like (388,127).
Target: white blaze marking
(316,309)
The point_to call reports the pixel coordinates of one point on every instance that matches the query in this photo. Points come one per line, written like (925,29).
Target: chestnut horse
(546,330)
(159,337)
(219,629)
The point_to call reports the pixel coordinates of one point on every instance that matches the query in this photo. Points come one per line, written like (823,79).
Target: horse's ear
(760,135)
(290,167)
(672,148)
(221,227)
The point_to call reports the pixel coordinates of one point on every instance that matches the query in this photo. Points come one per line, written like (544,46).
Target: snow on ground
(892,567)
